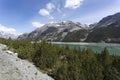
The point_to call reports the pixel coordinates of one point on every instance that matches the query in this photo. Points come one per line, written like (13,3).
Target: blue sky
(26,15)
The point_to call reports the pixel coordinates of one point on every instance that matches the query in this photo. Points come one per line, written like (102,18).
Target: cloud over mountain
(73,4)
(37,24)
(7,32)
(46,12)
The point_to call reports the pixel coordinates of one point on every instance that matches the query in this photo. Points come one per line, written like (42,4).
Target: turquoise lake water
(114,49)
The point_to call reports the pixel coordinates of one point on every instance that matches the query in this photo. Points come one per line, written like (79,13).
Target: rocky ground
(13,68)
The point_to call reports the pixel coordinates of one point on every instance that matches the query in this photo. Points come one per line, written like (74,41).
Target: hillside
(14,68)
(76,36)
(110,33)
(57,32)
(106,30)
(61,63)
(106,21)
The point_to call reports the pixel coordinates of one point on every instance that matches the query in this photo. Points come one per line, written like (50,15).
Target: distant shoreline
(86,43)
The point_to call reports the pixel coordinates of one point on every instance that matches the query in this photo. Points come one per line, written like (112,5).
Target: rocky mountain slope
(13,68)
(76,36)
(106,21)
(106,30)
(57,32)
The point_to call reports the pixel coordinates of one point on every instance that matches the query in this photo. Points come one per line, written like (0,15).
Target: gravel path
(13,68)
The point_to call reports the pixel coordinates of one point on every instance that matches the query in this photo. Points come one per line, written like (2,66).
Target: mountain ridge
(108,20)
(69,31)
(54,31)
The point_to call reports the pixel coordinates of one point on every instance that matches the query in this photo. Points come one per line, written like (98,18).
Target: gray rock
(108,20)
(13,68)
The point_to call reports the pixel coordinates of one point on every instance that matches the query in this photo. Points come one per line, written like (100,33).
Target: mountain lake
(114,49)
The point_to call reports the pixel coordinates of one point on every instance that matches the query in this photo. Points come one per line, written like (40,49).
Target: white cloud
(7,30)
(52,22)
(73,4)
(50,6)
(37,24)
(46,12)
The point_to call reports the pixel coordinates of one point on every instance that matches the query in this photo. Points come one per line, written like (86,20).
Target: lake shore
(113,48)
(86,43)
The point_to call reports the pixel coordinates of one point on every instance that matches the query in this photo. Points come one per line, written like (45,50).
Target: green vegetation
(65,64)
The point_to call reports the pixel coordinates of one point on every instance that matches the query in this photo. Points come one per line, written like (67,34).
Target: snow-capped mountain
(55,31)
(106,30)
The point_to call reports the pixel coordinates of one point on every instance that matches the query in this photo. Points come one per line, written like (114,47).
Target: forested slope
(65,64)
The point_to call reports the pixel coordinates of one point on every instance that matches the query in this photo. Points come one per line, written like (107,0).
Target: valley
(59,39)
